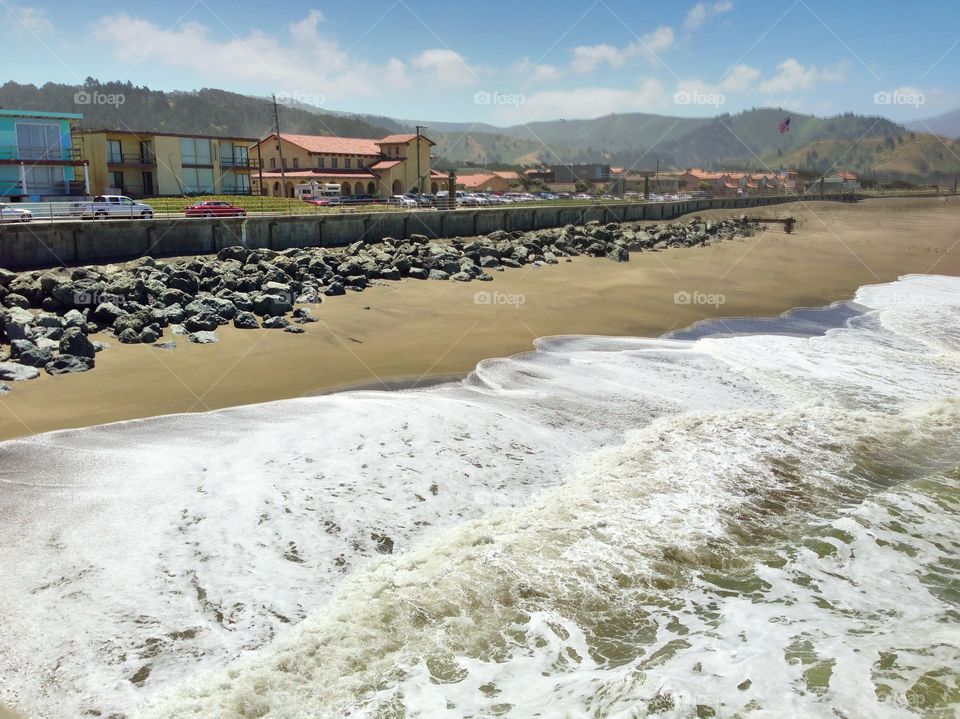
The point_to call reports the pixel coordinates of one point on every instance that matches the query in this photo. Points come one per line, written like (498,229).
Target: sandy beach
(415,331)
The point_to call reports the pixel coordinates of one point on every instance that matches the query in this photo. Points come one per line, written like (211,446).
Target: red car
(213,208)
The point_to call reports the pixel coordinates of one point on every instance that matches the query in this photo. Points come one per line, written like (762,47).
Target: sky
(513,62)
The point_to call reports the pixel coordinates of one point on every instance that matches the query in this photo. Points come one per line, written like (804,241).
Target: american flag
(784,125)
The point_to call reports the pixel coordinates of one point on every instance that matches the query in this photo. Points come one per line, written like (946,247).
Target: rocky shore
(49,316)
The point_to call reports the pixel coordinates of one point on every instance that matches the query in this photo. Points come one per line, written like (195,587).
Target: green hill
(207,111)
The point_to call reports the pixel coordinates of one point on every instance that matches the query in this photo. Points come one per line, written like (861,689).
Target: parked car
(111,206)
(214,208)
(402,201)
(9,213)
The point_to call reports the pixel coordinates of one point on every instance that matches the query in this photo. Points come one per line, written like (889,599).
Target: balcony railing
(133,158)
(239,163)
(39,154)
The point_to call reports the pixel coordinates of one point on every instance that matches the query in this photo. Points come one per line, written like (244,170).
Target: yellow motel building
(154,164)
(360,166)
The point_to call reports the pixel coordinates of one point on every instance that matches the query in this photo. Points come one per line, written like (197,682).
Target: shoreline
(410,333)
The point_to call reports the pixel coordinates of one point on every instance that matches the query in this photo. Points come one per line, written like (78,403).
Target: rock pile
(257,288)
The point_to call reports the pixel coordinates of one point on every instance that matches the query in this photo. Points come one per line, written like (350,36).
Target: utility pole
(419,177)
(658,176)
(276,127)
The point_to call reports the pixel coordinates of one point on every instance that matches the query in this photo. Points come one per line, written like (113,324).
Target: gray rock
(129,336)
(35,357)
(7,277)
(68,364)
(166,345)
(438,275)
(100,346)
(268,304)
(461,276)
(203,338)
(294,330)
(149,335)
(335,288)
(48,321)
(5,389)
(15,300)
(276,323)
(13,372)
(418,273)
(75,342)
(74,318)
(390,273)
(246,321)
(203,322)
(618,254)
(179,330)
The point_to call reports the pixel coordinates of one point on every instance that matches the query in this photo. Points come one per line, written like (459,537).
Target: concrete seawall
(57,244)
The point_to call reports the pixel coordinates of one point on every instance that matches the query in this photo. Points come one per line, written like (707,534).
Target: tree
(581,185)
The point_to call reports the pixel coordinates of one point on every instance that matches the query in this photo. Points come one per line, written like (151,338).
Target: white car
(110,206)
(9,213)
(402,201)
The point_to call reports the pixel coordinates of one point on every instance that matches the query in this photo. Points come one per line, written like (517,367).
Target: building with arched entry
(360,166)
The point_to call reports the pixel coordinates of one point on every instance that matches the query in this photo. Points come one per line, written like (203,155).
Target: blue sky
(510,62)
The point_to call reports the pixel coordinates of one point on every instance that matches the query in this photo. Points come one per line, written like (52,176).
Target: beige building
(153,164)
(381,168)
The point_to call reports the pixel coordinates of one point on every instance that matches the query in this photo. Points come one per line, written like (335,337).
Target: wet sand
(410,332)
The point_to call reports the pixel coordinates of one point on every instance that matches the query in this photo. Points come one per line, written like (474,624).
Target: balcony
(59,155)
(133,159)
(238,163)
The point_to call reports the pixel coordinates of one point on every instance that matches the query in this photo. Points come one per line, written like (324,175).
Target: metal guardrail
(132,158)
(40,153)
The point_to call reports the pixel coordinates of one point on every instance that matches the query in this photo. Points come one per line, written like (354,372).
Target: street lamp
(658,176)
(419,177)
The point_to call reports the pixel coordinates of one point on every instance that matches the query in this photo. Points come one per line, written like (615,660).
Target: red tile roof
(403,139)
(319,174)
(507,175)
(385,164)
(326,145)
(474,180)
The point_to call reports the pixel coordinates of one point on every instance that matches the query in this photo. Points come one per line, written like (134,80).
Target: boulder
(276,323)
(6,277)
(13,372)
(235,252)
(68,364)
(203,338)
(166,345)
(268,304)
(335,288)
(185,281)
(149,335)
(15,300)
(246,321)
(618,254)
(461,276)
(294,330)
(75,342)
(129,336)
(418,273)
(203,322)
(438,275)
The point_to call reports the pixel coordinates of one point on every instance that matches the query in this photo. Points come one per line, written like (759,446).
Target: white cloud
(589,102)
(301,59)
(546,73)
(740,77)
(701,12)
(27,21)
(443,67)
(792,76)
(587,58)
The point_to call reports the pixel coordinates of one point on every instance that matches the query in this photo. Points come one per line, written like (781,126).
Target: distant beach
(411,332)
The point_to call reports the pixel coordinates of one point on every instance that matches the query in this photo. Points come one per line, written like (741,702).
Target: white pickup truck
(106,207)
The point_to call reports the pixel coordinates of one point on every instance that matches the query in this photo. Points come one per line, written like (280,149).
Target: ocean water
(745,519)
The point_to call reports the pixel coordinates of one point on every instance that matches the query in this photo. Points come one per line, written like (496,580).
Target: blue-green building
(37,158)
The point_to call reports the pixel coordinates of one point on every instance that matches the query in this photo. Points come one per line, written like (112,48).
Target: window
(114,152)
(359,162)
(296,163)
(273,163)
(333,162)
(195,151)
(346,163)
(320,162)
(38,141)
(284,161)
(198,179)
(116,180)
